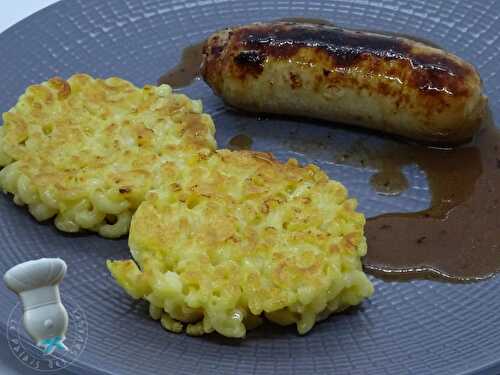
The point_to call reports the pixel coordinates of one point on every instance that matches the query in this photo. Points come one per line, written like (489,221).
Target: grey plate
(419,327)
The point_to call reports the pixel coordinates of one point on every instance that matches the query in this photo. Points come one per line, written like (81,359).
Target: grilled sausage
(392,84)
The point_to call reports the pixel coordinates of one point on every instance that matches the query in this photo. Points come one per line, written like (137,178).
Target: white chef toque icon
(37,283)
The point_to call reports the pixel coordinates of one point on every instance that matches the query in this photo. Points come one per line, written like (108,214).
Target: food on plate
(241,237)
(87,150)
(392,84)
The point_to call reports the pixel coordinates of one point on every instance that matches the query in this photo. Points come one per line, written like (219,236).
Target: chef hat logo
(44,331)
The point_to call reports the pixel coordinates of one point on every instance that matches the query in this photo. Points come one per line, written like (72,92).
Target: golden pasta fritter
(242,237)
(87,150)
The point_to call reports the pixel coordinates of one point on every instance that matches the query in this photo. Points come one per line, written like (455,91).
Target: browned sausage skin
(392,84)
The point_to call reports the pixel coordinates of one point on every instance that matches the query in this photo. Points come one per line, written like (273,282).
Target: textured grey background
(417,327)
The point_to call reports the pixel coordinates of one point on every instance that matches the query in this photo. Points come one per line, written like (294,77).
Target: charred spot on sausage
(251,61)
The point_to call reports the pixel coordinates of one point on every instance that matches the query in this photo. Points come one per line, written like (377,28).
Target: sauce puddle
(458,237)
(187,70)
(240,142)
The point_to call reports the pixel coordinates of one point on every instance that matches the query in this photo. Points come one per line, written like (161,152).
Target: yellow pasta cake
(86,150)
(243,237)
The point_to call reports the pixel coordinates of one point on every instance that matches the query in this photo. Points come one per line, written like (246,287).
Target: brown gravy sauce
(187,70)
(458,237)
(240,142)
